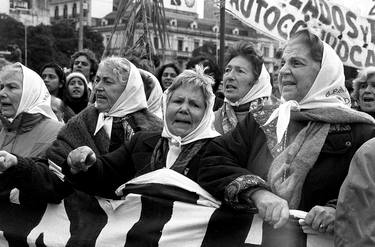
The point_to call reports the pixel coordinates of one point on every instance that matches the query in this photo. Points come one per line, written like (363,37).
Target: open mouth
(5,105)
(229,86)
(367,99)
(287,83)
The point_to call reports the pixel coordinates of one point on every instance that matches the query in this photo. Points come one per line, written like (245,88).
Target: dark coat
(128,161)
(244,151)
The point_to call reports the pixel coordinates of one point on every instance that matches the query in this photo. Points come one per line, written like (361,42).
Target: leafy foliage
(55,43)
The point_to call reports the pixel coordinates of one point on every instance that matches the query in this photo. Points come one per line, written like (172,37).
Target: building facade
(186,32)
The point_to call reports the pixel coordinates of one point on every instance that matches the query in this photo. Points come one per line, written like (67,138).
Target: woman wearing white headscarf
(30,125)
(246,85)
(153,92)
(188,128)
(120,110)
(294,155)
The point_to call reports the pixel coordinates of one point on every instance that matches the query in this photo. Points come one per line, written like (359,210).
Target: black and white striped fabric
(161,208)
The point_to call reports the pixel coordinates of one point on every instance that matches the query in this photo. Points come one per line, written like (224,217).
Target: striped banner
(162,208)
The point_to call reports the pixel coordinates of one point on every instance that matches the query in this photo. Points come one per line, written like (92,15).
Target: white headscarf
(261,88)
(204,130)
(154,100)
(132,99)
(35,96)
(328,90)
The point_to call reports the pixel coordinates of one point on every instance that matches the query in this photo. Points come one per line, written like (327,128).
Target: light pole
(25,45)
(80,38)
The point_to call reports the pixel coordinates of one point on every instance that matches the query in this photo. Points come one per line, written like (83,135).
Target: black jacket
(244,151)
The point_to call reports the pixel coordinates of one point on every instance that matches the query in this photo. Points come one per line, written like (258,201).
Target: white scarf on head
(132,99)
(154,100)
(204,130)
(328,90)
(35,96)
(261,88)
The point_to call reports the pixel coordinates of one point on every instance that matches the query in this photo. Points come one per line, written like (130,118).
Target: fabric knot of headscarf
(283,117)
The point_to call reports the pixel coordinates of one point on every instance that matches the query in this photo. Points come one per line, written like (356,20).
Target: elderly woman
(30,125)
(298,156)
(364,90)
(120,110)
(246,84)
(188,128)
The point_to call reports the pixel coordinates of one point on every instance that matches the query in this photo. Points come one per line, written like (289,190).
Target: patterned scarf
(291,164)
(159,156)
(228,112)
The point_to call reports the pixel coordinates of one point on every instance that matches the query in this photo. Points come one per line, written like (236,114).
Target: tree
(54,43)
(140,13)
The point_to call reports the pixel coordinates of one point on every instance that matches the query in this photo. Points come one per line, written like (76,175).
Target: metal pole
(222,34)
(25,45)
(80,39)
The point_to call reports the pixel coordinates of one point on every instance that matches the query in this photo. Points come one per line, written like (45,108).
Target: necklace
(285,170)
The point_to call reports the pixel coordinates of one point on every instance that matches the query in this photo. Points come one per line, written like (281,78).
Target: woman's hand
(271,208)
(7,160)
(320,218)
(80,159)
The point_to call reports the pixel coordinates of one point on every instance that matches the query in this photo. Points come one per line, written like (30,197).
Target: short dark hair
(59,71)
(90,56)
(248,51)
(160,71)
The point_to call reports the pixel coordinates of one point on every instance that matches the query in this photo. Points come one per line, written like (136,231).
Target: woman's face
(51,80)
(107,87)
(298,71)
(238,78)
(82,64)
(76,88)
(367,95)
(185,110)
(167,77)
(11,92)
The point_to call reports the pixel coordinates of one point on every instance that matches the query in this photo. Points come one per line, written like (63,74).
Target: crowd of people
(263,143)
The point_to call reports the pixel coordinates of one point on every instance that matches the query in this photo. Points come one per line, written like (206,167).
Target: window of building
(85,13)
(74,10)
(57,12)
(65,11)
(266,51)
(180,44)
(196,43)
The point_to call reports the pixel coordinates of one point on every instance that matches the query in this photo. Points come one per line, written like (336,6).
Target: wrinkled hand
(81,159)
(271,208)
(320,219)
(7,160)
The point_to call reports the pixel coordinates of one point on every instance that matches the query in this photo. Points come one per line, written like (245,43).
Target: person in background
(364,90)
(76,92)
(153,92)
(84,61)
(294,154)
(246,84)
(30,125)
(54,78)
(62,112)
(355,217)
(166,74)
(212,69)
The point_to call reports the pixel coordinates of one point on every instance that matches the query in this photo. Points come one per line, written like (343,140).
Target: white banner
(352,36)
